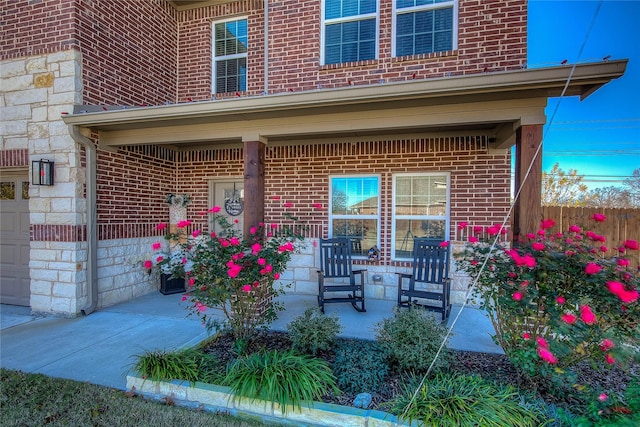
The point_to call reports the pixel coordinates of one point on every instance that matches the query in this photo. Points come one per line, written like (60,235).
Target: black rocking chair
(335,262)
(429,285)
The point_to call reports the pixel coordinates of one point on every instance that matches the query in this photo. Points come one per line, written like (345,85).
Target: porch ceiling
(495,104)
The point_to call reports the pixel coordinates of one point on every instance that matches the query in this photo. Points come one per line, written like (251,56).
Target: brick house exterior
(127,88)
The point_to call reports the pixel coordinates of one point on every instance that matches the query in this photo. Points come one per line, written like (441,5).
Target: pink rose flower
(592,268)
(215,209)
(547,356)
(609,359)
(317,206)
(444,244)
(622,262)
(598,217)
(631,244)
(603,397)
(606,344)
(587,316)
(161,226)
(575,229)
(538,246)
(155,246)
(148,264)
(473,239)
(569,318)
(262,261)
(526,336)
(195,233)
(246,288)
(547,223)
(561,300)
(517,296)
(462,225)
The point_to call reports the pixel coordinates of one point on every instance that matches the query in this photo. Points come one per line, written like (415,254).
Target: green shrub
(359,366)
(462,400)
(282,377)
(189,365)
(411,339)
(314,331)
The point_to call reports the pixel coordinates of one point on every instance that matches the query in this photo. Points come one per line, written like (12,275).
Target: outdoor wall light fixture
(42,172)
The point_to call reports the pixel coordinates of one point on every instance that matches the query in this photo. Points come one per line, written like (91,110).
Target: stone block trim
(218,398)
(14,158)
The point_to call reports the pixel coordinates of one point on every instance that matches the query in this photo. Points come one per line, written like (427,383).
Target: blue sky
(600,136)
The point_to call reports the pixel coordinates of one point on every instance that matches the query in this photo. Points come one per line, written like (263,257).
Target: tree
(634,187)
(626,196)
(562,188)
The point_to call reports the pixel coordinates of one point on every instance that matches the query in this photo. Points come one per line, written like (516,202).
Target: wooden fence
(620,225)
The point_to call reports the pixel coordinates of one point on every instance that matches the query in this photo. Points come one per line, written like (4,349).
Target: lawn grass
(37,400)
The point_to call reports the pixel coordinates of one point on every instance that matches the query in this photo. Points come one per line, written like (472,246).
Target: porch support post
(527,212)
(254,152)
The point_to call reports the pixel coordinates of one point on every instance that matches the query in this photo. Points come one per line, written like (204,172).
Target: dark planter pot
(170,286)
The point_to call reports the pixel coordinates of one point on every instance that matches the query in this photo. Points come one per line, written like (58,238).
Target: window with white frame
(230,56)
(350,30)
(355,211)
(424,26)
(420,209)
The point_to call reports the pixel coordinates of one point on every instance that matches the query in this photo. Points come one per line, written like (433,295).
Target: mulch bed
(490,366)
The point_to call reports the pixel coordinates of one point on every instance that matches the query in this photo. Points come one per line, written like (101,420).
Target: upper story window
(424,26)
(350,30)
(420,209)
(230,56)
(355,211)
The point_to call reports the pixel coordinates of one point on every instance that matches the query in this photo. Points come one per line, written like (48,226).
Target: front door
(229,195)
(14,240)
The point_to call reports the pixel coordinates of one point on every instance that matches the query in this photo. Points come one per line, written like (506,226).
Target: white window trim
(376,217)
(325,22)
(215,58)
(454,3)
(394,217)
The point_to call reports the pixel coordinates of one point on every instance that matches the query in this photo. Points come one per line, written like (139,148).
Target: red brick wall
(34,27)
(133,195)
(14,158)
(492,35)
(132,185)
(129,51)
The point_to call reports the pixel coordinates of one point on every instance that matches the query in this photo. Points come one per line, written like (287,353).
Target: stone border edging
(218,398)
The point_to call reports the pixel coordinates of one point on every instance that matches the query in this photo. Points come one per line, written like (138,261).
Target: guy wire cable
(495,240)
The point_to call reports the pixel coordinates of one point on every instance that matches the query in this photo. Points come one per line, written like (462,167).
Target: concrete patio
(101,348)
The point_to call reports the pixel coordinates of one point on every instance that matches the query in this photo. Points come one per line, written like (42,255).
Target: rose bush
(555,299)
(227,272)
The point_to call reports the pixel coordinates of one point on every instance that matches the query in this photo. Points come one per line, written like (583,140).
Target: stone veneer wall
(35,91)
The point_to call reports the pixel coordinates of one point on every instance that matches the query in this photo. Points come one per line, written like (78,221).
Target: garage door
(14,240)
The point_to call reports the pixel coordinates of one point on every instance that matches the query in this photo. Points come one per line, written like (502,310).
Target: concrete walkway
(101,348)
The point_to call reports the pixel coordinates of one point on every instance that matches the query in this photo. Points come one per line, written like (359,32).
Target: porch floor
(101,348)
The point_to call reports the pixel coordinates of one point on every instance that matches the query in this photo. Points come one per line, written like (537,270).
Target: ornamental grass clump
(555,299)
(234,274)
(462,400)
(282,377)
